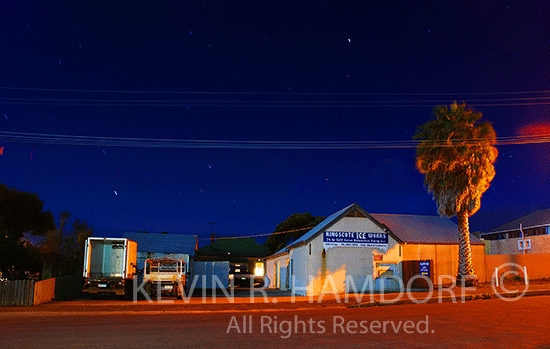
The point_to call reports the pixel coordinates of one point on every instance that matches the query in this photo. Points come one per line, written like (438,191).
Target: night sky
(172,116)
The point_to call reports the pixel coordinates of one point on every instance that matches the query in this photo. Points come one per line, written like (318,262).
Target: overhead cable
(44,138)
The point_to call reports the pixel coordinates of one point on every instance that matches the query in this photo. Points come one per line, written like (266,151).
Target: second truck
(165,276)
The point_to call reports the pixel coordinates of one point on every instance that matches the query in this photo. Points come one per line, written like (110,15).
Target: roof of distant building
(533,219)
(164,243)
(234,247)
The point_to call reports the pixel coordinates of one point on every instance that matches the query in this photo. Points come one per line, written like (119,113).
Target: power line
(275,93)
(78,140)
(256,235)
(250,103)
(66,97)
(274,103)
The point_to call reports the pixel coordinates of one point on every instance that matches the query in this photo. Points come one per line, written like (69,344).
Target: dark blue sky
(318,71)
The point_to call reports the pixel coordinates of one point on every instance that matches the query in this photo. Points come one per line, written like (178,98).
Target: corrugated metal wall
(16,292)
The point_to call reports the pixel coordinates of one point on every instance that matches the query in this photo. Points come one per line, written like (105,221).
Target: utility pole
(211,231)
(522,238)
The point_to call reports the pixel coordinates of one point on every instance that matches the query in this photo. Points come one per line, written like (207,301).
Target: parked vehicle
(109,266)
(165,275)
(242,275)
(210,275)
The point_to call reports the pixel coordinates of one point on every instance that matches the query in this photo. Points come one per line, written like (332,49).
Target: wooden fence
(16,292)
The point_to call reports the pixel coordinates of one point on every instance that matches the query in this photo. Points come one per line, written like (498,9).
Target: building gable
(356,213)
(353,210)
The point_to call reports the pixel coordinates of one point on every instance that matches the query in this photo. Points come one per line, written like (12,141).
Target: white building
(352,249)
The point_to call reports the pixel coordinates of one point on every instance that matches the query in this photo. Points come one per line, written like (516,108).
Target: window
(259,269)
(493,236)
(385,270)
(526,246)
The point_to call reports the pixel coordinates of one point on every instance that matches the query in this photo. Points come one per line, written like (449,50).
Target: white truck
(164,275)
(109,266)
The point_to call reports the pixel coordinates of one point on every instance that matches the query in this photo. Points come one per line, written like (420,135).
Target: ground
(473,324)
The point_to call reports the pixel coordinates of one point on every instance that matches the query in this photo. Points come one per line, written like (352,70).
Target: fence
(29,292)
(16,292)
(44,291)
(536,264)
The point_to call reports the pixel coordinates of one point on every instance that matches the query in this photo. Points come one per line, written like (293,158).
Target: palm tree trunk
(465,264)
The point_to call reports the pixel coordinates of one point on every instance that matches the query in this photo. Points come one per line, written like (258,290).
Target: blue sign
(355,239)
(424,268)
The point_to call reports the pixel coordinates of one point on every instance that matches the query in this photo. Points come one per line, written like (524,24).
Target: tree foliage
(63,248)
(457,158)
(456,154)
(20,213)
(296,221)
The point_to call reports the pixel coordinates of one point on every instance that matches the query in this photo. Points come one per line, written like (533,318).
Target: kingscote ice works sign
(355,239)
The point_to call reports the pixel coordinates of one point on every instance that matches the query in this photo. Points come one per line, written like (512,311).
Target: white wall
(272,272)
(342,263)
(299,278)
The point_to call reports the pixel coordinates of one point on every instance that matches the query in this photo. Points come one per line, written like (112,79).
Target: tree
(20,213)
(456,154)
(62,250)
(73,246)
(294,226)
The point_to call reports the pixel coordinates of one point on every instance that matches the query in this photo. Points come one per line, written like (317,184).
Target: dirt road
(475,324)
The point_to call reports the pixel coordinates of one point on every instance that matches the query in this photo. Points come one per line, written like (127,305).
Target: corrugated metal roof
(279,253)
(164,243)
(422,229)
(407,228)
(534,219)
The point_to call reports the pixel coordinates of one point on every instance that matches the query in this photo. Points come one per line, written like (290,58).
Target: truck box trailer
(109,266)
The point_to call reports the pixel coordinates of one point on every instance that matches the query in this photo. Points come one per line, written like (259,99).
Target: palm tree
(457,155)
